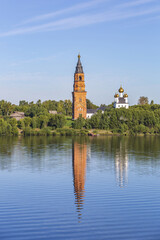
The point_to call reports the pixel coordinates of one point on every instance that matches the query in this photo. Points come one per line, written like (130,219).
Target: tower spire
(79,68)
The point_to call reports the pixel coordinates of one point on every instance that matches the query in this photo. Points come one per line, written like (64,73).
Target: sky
(118,40)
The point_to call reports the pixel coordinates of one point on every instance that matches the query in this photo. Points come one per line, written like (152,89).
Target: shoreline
(75,132)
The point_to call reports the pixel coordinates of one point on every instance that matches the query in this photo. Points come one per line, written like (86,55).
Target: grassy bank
(77,132)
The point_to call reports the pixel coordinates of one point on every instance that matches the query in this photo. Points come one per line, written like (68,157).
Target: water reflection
(49,153)
(38,175)
(79,157)
(121,164)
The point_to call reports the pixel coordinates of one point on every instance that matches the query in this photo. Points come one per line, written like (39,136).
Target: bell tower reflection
(121,164)
(79,157)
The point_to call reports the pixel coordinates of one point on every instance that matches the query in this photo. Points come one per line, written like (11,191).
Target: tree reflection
(7,145)
(47,153)
(34,153)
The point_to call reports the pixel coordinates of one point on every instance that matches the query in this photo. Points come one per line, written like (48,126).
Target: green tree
(143,100)
(27,121)
(5,108)
(43,121)
(90,105)
(60,108)
(68,107)
(57,121)
(79,123)
(23,103)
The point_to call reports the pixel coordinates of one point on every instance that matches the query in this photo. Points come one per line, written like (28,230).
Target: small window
(80,88)
(80,78)
(80,100)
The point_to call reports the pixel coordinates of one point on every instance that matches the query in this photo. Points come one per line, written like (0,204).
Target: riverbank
(78,132)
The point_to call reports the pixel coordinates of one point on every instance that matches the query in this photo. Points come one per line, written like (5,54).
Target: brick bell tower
(79,93)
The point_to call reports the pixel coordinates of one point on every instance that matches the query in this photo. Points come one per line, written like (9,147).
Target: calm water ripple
(81,188)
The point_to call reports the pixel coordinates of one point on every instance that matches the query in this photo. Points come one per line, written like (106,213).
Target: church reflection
(79,158)
(121,164)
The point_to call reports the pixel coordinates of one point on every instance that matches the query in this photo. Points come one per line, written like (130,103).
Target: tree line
(36,116)
(142,118)
(137,119)
(32,109)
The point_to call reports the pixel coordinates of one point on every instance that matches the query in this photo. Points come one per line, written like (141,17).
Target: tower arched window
(80,78)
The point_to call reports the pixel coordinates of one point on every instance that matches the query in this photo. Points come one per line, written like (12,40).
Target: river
(80,188)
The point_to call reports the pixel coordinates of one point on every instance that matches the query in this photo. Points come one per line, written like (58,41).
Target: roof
(17,114)
(52,112)
(102,108)
(91,110)
(21,114)
(79,68)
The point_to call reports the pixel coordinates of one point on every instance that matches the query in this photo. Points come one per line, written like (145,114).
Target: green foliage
(8,127)
(135,120)
(28,131)
(66,132)
(42,108)
(42,122)
(23,103)
(90,105)
(79,123)
(57,121)
(68,107)
(5,108)
(68,121)
(142,118)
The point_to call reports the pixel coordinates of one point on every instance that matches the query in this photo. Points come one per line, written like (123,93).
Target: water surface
(81,188)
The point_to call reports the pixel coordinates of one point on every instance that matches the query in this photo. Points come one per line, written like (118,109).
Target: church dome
(125,95)
(116,95)
(121,90)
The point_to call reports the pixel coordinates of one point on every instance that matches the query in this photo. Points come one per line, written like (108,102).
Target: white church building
(121,99)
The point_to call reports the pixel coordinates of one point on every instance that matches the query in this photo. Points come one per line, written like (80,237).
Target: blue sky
(119,43)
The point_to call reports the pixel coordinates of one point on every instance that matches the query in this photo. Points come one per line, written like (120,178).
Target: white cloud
(71,9)
(114,14)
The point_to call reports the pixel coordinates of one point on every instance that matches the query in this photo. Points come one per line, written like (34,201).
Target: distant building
(121,99)
(53,112)
(91,112)
(17,115)
(102,109)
